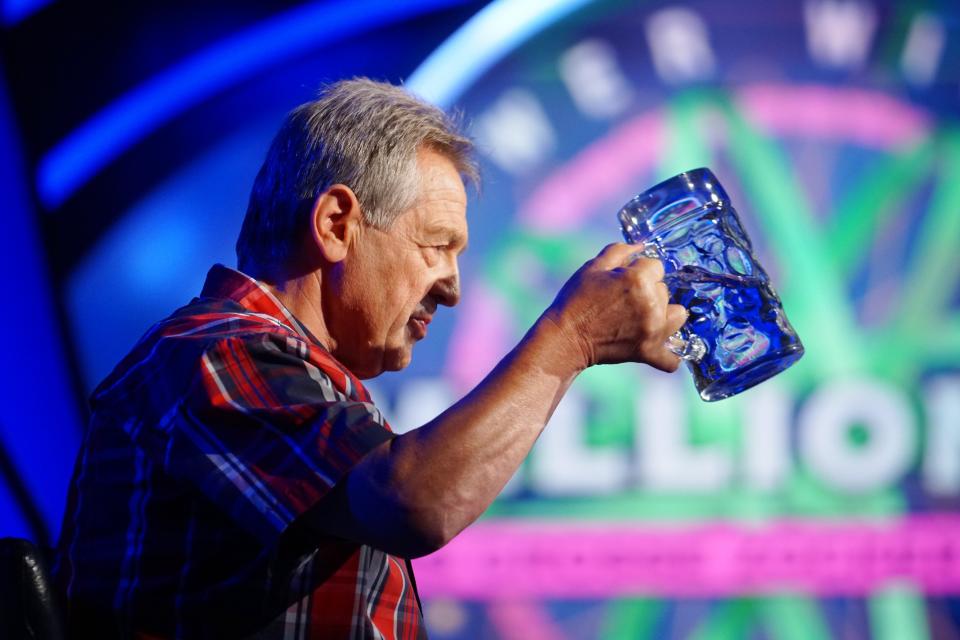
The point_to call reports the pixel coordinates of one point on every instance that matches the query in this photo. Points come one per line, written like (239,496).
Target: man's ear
(335,221)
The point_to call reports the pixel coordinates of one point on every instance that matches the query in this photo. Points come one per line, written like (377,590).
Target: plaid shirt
(226,423)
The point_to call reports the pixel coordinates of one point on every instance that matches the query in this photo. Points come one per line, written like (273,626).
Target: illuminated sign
(839,478)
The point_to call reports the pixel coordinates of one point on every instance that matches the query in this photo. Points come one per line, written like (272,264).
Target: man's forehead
(440,208)
(439,176)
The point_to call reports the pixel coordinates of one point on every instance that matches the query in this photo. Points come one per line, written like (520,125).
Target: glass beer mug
(737,334)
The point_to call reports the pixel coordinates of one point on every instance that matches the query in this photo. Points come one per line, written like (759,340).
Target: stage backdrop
(821,504)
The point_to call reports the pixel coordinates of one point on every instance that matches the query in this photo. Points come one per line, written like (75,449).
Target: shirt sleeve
(264,432)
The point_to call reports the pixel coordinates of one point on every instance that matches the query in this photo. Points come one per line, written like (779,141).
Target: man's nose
(447,290)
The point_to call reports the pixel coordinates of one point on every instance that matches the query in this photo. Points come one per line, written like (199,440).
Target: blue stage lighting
(100,140)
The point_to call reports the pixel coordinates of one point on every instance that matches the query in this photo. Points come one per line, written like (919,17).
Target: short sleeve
(264,431)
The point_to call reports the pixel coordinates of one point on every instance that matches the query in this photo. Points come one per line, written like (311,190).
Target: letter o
(823,425)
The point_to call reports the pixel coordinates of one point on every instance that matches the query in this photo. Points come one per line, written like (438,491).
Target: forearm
(432,482)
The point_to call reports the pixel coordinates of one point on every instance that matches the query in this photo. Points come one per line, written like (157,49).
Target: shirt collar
(251,294)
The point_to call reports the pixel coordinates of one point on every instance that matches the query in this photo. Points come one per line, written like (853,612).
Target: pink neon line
(615,163)
(605,167)
(527,560)
(868,118)
(480,339)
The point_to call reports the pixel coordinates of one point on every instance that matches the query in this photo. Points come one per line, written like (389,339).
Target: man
(236,478)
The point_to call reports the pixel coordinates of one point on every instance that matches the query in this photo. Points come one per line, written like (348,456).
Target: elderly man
(237,479)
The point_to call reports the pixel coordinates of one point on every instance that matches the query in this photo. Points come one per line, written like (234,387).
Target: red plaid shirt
(226,423)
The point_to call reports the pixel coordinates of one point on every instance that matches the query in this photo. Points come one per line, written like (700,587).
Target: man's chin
(371,362)
(399,360)
(390,361)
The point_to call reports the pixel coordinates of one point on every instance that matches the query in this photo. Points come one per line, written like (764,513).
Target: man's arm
(414,493)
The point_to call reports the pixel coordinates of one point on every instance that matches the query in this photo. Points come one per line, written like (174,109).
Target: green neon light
(871,202)
(902,355)
(803,497)
(898,612)
(933,275)
(812,291)
(793,617)
(731,619)
(631,619)
(685,148)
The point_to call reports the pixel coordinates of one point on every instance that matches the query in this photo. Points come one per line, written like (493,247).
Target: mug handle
(684,343)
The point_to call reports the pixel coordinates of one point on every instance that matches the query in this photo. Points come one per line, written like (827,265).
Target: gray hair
(360,133)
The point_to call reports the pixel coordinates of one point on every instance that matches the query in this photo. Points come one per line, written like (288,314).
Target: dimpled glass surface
(711,270)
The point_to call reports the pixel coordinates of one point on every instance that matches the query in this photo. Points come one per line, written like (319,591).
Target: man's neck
(302,297)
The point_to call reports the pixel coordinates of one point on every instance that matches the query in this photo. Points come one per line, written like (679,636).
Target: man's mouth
(419,324)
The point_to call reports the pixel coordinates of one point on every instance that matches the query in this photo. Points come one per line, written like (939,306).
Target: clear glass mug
(737,334)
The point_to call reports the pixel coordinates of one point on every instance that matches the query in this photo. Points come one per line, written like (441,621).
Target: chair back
(28,607)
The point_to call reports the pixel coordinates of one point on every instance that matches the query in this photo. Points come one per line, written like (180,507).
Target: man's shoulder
(214,319)
(171,352)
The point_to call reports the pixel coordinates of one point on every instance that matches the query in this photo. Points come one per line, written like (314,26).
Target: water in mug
(737,317)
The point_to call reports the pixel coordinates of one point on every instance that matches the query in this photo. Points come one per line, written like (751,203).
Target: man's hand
(615,308)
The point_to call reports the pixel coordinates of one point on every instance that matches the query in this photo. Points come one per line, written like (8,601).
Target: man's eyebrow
(453,235)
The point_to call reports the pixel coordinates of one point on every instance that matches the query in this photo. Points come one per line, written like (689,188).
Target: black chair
(28,607)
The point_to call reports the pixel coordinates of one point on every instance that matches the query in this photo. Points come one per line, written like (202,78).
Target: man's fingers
(665,290)
(664,359)
(676,317)
(615,255)
(620,255)
(661,357)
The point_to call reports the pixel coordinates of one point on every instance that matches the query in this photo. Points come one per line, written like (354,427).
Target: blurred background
(821,504)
